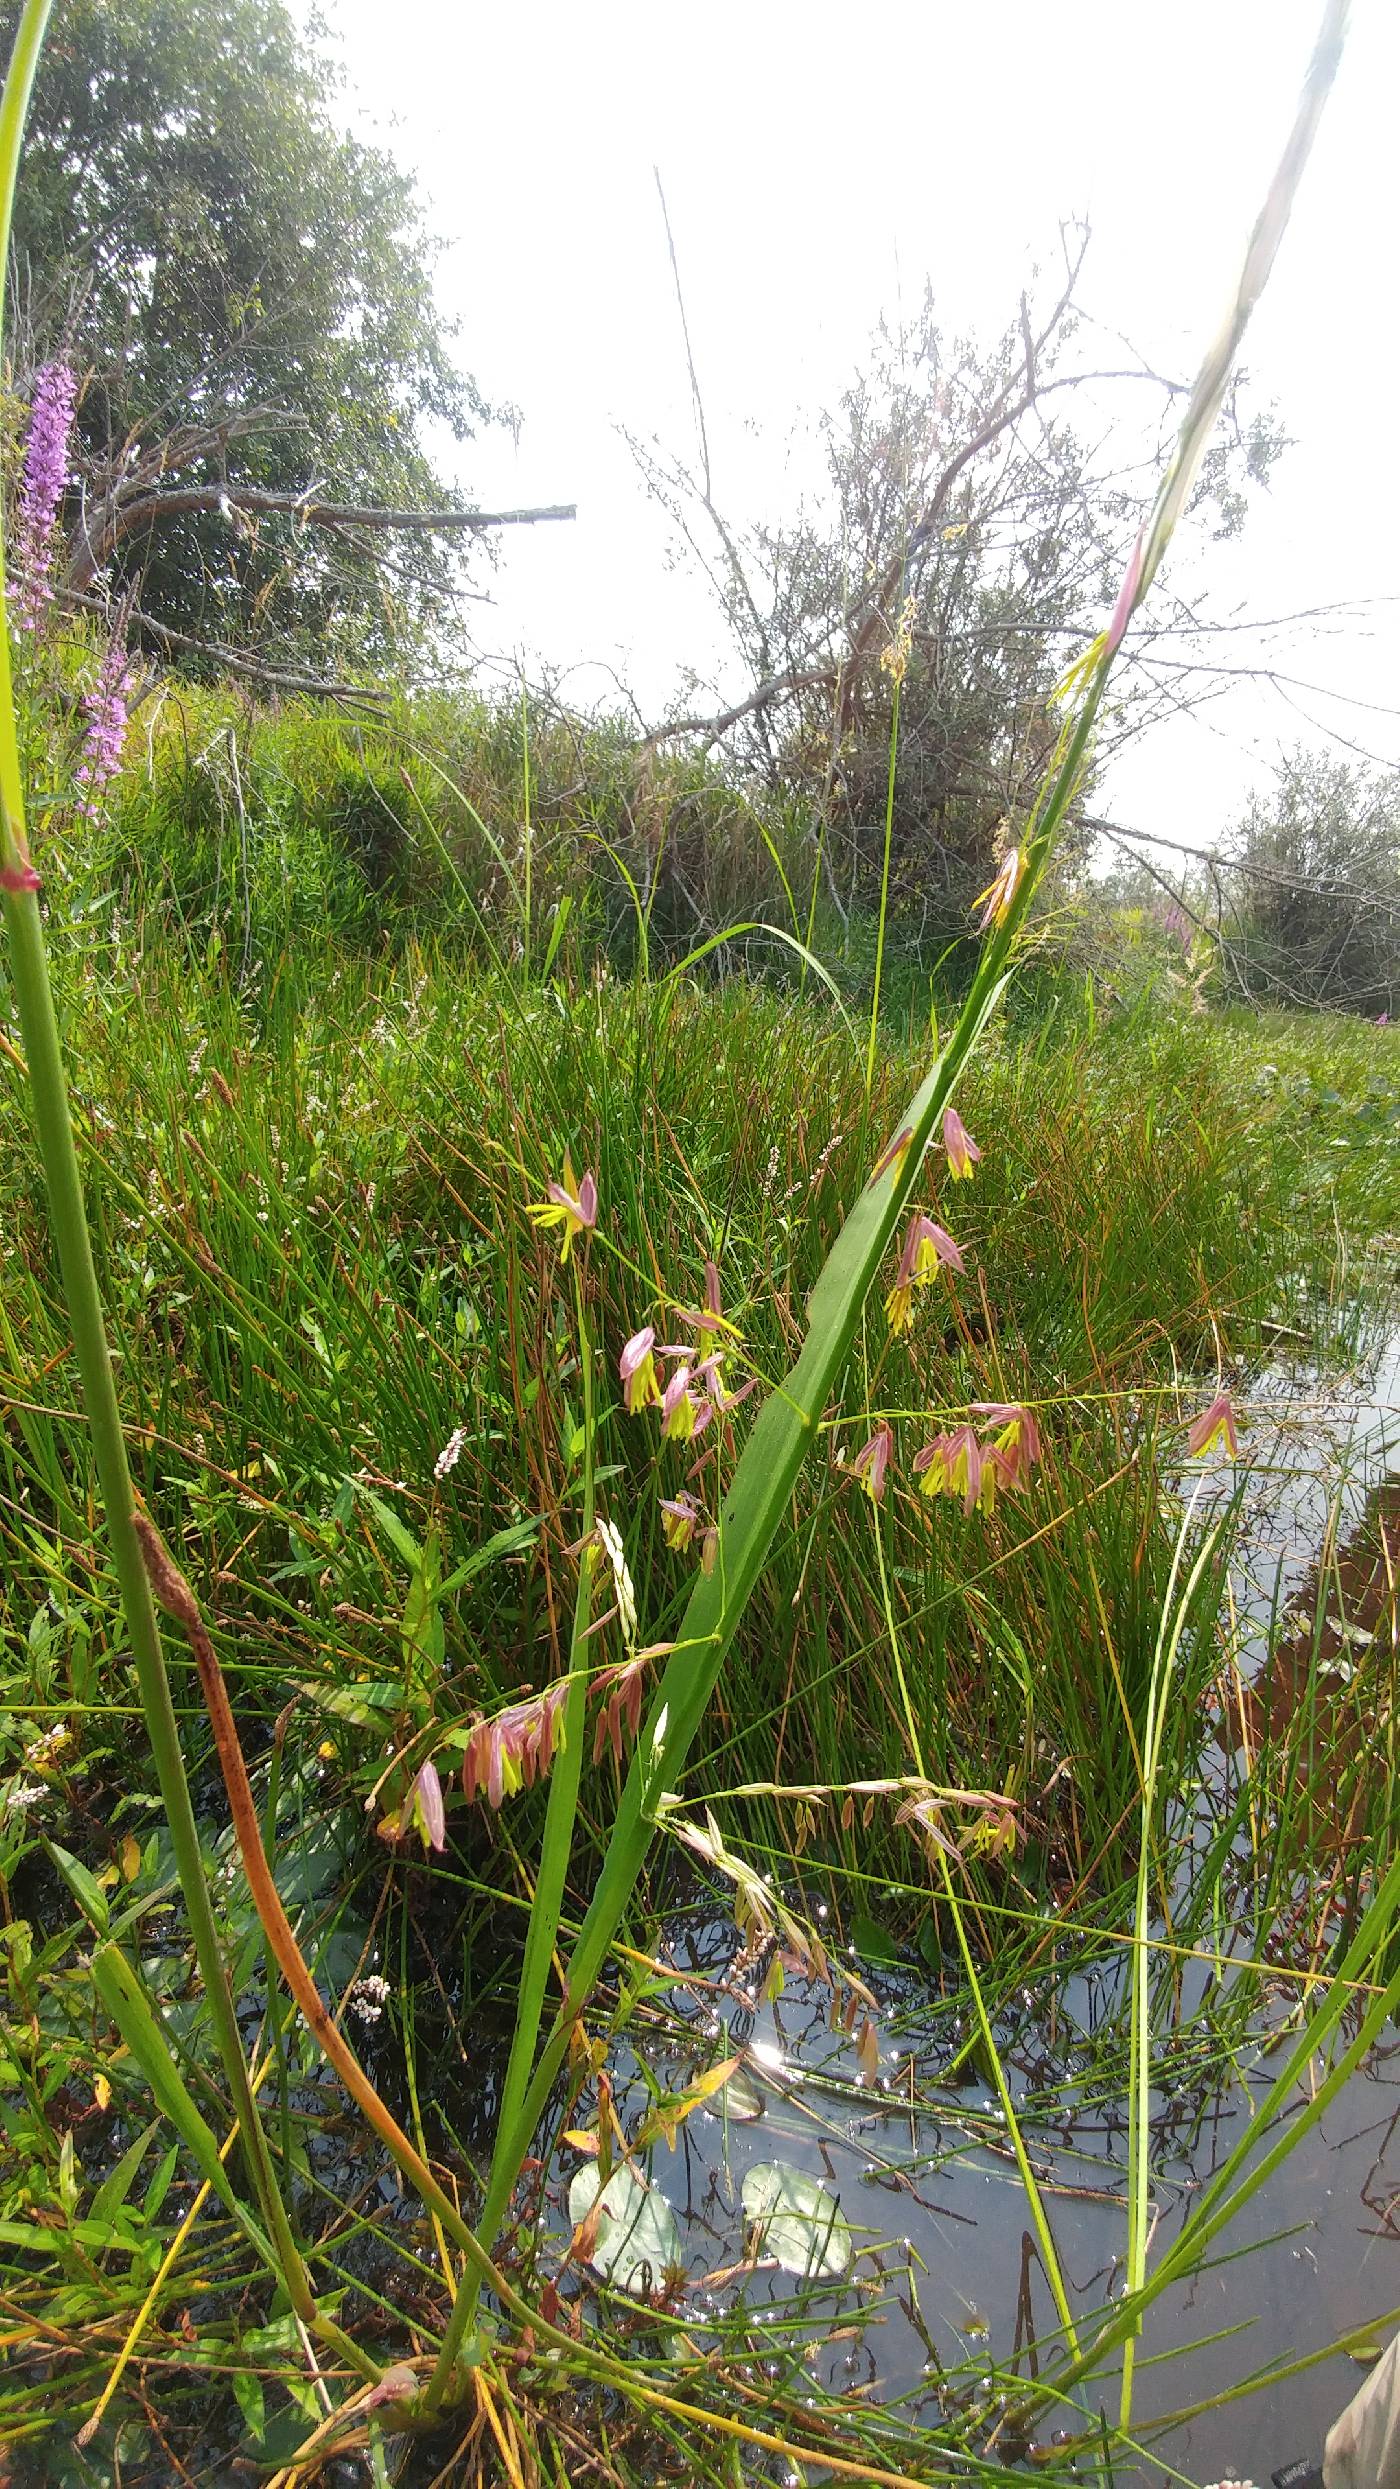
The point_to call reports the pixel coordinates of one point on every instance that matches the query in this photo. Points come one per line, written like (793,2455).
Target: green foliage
(1318,908)
(196,233)
(255,828)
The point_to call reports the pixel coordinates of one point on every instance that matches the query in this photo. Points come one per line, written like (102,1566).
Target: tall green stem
(555,1850)
(884,887)
(68,1216)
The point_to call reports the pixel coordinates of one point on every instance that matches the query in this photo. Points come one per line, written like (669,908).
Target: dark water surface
(943,2278)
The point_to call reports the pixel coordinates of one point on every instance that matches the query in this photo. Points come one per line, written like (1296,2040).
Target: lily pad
(802,2225)
(636,2237)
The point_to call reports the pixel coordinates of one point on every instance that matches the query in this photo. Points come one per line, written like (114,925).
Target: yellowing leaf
(102,2091)
(131,1857)
(668,2116)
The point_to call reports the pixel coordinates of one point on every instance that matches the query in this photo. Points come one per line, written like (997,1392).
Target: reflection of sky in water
(1313,1440)
(934,2175)
(933,2172)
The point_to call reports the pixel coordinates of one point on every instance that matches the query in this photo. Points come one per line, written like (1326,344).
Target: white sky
(819,163)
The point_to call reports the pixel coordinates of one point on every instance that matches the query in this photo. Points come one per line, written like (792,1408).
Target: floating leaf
(741,2100)
(873,1943)
(670,2114)
(634,2238)
(802,2225)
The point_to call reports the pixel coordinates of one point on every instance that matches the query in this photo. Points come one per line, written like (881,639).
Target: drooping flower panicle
(428,1811)
(681,1517)
(927,1249)
(872,1461)
(995,900)
(620,1707)
(957,1464)
(1016,1446)
(1217,1424)
(641,1384)
(572,1205)
(963,1152)
(515,1747)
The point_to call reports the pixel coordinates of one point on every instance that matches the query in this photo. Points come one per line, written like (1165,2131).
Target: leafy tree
(1319,904)
(968,535)
(248,295)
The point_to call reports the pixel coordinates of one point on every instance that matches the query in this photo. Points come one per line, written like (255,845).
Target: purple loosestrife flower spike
(963,1152)
(41,494)
(1217,1424)
(105,710)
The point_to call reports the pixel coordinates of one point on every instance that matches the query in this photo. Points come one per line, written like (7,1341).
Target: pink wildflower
(963,1152)
(995,900)
(891,1159)
(681,1518)
(1016,1448)
(518,1746)
(710,1373)
(571,1205)
(428,1808)
(955,1464)
(641,1384)
(712,1319)
(622,1709)
(683,1412)
(872,1461)
(927,1247)
(1216,1424)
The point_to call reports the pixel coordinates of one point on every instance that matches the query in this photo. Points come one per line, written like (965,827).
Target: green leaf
(83,1886)
(251,2401)
(636,2238)
(117,2184)
(873,1944)
(362,1704)
(420,1626)
(801,2224)
(400,1538)
(507,1542)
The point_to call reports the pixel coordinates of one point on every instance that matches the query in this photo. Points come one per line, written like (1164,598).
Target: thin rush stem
(555,1850)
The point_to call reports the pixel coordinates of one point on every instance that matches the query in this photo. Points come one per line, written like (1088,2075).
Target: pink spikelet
(41,493)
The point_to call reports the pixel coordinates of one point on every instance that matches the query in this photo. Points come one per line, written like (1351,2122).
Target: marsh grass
(307,1212)
(370,1413)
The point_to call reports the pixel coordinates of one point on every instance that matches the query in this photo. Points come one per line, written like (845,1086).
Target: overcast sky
(820,163)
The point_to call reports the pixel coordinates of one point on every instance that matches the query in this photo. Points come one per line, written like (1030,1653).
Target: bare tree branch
(121,518)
